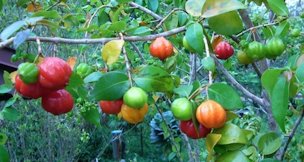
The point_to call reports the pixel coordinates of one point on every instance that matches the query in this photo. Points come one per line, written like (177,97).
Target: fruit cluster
(132,108)
(46,80)
(255,51)
(209,114)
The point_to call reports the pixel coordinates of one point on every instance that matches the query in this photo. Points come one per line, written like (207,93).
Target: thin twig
(127,62)
(168,15)
(298,122)
(138,52)
(192,68)
(208,55)
(39,46)
(157,17)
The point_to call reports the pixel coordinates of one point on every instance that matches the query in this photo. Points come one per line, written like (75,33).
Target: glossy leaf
(231,134)
(269,78)
(111,86)
(278,7)
(153,5)
(233,156)
(21,37)
(4,156)
(11,101)
(154,79)
(111,51)
(195,37)
(92,116)
(194,7)
(282,29)
(270,160)
(5,88)
(269,143)
(232,21)
(183,90)
(213,8)
(93,77)
(279,101)
(300,73)
(208,64)
(11,29)
(215,92)
(10,114)
(53,14)
(211,140)
(142,30)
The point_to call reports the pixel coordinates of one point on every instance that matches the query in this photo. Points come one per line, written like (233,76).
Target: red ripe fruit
(161,48)
(111,107)
(58,102)
(28,90)
(188,128)
(54,73)
(223,50)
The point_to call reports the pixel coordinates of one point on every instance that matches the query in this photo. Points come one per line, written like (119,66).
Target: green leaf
(93,77)
(300,73)
(3,138)
(232,21)
(172,22)
(232,156)
(195,35)
(33,20)
(154,79)
(279,101)
(208,64)
(103,17)
(282,29)
(92,115)
(231,134)
(76,86)
(141,31)
(10,114)
(214,8)
(53,14)
(11,29)
(194,7)
(153,5)
(118,26)
(183,90)
(215,92)
(269,143)
(11,101)
(211,140)
(5,88)
(269,78)
(270,160)
(22,2)
(7,78)
(4,156)
(278,7)
(21,37)
(111,86)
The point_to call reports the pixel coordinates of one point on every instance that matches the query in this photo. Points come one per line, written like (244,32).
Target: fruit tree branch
(157,17)
(235,83)
(281,154)
(97,40)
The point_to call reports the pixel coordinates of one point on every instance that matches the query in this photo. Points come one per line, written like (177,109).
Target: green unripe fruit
(295,32)
(275,47)
(243,58)
(256,50)
(135,98)
(28,72)
(83,70)
(182,109)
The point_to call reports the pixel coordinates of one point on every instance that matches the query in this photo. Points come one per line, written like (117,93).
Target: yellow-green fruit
(135,98)
(243,58)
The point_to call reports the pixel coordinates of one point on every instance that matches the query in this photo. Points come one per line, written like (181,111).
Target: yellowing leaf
(33,7)
(111,51)
(13,76)
(72,61)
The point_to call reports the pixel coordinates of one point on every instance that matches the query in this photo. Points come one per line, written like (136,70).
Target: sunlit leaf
(213,8)
(278,7)
(21,37)
(11,29)
(111,51)
(233,156)
(269,143)
(194,7)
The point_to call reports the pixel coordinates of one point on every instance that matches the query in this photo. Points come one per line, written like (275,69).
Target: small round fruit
(58,102)
(295,32)
(83,70)
(132,115)
(28,72)
(186,45)
(188,128)
(223,50)
(111,107)
(256,50)
(28,90)
(275,47)
(161,48)
(54,73)
(135,97)
(211,114)
(182,109)
(243,58)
